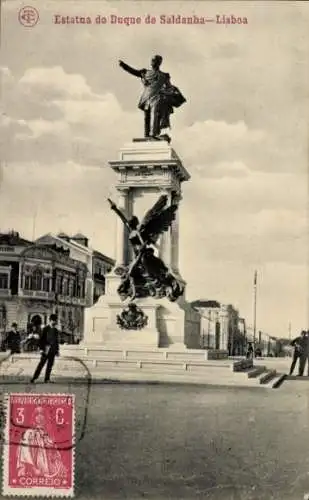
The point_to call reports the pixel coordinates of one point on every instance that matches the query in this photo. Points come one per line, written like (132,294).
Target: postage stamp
(39,439)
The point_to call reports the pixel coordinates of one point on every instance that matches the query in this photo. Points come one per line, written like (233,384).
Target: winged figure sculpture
(147,274)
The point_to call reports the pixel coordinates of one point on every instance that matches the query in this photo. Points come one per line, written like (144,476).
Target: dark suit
(304,356)
(299,344)
(13,341)
(49,345)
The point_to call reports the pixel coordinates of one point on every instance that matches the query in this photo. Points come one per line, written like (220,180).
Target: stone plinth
(170,324)
(101,321)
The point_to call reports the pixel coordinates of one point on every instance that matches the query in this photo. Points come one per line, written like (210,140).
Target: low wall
(243,364)
(216,354)
(100,366)
(145,353)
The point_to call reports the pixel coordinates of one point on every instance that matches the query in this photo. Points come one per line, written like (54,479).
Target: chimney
(81,239)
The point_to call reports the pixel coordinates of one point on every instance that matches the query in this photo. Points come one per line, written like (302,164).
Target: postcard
(154,337)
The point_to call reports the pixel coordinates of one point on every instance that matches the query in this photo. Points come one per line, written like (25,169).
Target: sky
(242,135)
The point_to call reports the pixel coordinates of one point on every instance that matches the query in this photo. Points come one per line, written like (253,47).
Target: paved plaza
(186,442)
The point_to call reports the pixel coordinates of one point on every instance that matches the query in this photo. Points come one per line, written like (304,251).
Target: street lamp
(254,310)
(208,333)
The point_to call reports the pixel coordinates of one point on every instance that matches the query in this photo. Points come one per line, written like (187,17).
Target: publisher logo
(28,16)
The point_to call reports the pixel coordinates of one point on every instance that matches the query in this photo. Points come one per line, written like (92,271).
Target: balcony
(78,301)
(36,294)
(75,301)
(64,299)
(5,292)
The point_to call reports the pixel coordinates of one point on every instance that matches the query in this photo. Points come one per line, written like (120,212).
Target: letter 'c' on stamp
(39,444)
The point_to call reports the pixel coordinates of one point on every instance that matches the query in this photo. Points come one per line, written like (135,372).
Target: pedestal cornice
(173,165)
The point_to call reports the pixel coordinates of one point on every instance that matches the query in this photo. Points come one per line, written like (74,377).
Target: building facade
(37,280)
(98,264)
(221,327)
(55,274)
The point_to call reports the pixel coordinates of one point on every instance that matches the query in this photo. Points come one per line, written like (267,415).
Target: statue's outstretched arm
(119,212)
(129,69)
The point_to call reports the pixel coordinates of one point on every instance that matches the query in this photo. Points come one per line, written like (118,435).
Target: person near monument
(307,351)
(158,99)
(300,345)
(250,351)
(14,339)
(304,356)
(49,347)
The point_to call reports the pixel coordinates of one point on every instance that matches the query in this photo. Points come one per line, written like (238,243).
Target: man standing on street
(13,339)
(49,347)
(305,358)
(299,344)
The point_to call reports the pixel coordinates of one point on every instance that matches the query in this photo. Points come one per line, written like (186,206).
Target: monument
(144,305)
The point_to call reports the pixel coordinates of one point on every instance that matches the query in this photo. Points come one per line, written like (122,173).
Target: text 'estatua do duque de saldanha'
(175,19)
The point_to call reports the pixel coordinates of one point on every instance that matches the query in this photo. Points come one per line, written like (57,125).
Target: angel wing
(155,210)
(157,220)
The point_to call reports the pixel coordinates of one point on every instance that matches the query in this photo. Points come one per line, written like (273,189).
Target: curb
(109,381)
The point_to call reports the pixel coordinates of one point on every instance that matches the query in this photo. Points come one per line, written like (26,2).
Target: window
(4,281)
(65,287)
(2,316)
(58,286)
(27,282)
(46,283)
(37,278)
(71,287)
(77,287)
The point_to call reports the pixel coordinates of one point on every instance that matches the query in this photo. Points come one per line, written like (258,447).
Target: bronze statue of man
(158,98)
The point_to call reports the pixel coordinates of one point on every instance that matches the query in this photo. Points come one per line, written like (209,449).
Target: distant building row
(221,327)
(59,274)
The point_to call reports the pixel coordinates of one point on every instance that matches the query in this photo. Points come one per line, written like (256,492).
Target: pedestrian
(49,347)
(258,352)
(305,358)
(249,353)
(299,344)
(13,340)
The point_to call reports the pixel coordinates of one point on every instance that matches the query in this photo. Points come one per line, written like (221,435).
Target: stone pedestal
(145,169)
(101,321)
(170,324)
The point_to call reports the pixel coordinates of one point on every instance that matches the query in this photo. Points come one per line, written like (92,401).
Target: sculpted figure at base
(158,98)
(147,275)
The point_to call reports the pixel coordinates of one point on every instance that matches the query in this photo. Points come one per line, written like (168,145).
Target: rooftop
(205,303)
(13,238)
(103,256)
(80,236)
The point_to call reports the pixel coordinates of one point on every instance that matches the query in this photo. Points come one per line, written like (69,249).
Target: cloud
(242,136)
(56,82)
(41,127)
(78,124)
(218,142)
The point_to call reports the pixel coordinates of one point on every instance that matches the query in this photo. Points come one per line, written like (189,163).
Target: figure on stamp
(147,275)
(158,99)
(37,454)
